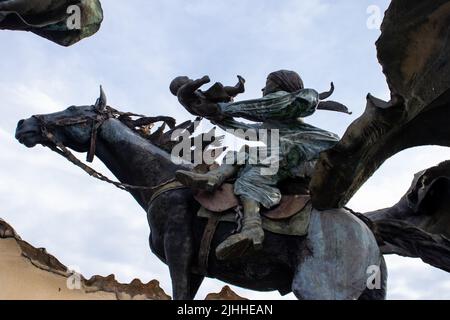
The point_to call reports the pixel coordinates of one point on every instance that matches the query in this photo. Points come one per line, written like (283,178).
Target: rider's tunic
(299,143)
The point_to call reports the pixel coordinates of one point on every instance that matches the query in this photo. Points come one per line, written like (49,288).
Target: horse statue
(330,262)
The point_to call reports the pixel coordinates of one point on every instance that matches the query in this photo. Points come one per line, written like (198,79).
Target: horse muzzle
(29,133)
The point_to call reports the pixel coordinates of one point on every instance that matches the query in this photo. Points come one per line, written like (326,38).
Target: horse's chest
(157,247)
(157,230)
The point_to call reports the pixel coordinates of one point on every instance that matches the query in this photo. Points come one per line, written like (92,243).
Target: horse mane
(168,139)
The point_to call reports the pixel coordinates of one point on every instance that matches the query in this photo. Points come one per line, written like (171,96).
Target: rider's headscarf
(288,81)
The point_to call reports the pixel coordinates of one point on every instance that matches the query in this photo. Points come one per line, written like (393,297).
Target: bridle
(96,121)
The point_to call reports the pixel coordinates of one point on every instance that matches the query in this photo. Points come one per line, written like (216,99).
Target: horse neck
(133,159)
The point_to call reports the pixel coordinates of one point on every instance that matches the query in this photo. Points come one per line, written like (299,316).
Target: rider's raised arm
(278,106)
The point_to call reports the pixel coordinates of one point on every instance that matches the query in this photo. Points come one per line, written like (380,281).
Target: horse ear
(100,104)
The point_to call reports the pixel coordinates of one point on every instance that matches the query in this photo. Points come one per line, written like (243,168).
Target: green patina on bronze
(49,18)
(299,143)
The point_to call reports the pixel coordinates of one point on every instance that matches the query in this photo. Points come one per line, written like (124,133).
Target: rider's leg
(207,181)
(251,236)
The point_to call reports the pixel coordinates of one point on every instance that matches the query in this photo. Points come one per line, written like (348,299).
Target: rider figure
(284,103)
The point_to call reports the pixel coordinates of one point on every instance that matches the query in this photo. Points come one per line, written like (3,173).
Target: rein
(96,123)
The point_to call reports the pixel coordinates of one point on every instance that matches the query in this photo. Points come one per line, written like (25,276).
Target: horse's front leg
(179,248)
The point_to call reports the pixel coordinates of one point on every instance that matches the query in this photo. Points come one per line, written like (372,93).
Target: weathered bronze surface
(340,245)
(64,22)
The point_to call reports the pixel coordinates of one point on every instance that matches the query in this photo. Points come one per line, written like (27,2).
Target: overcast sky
(141,46)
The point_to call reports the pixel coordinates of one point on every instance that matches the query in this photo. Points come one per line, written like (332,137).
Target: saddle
(224,199)
(290,217)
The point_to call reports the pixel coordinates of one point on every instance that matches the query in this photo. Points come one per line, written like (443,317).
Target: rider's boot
(207,181)
(249,239)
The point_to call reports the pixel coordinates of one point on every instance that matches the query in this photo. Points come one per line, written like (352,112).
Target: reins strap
(205,246)
(97,122)
(62,150)
(168,186)
(91,153)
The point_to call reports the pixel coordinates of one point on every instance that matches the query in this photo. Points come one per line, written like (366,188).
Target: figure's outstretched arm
(279,106)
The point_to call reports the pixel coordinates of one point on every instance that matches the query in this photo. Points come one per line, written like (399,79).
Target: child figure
(204,103)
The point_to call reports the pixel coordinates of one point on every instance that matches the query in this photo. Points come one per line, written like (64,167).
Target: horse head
(73,127)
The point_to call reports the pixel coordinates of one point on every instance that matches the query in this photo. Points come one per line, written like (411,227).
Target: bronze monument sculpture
(313,246)
(177,231)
